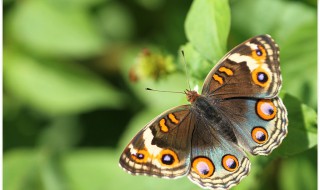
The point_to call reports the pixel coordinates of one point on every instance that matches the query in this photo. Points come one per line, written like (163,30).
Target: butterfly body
(237,111)
(206,110)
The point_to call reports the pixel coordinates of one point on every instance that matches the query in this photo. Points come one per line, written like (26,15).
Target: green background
(74,73)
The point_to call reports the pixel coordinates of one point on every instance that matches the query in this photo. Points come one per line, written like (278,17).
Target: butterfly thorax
(192,95)
(201,104)
(204,107)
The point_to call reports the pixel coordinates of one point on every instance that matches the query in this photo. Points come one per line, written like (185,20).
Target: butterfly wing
(249,70)
(241,92)
(162,147)
(246,83)
(216,162)
(260,125)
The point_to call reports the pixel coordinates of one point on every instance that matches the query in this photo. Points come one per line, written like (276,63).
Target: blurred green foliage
(75,73)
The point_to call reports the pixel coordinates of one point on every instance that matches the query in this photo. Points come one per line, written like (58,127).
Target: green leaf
(294,27)
(299,64)
(207,27)
(299,172)
(27,169)
(115,21)
(56,88)
(198,66)
(51,30)
(60,135)
(302,128)
(151,5)
(99,169)
(78,3)
(20,171)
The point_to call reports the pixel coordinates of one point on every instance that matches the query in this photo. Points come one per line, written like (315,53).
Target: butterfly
(237,111)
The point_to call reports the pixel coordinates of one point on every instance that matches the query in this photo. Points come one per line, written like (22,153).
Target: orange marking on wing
(255,134)
(172,162)
(200,163)
(173,118)
(261,56)
(217,78)
(141,156)
(163,126)
(226,163)
(229,72)
(266,109)
(255,77)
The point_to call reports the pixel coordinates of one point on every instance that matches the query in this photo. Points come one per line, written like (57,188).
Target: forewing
(249,70)
(162,148)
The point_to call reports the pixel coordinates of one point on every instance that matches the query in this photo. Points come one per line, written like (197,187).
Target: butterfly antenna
(150,89)
(186,69)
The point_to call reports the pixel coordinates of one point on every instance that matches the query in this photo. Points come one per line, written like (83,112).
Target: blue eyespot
(259,135)
(266,110)
(167,159)
(203,166)
(140,156)
(262,77)
(259,52)
(230,162)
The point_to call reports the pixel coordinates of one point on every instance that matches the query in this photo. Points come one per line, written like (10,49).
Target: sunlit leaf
(48,29)
(197,65)
(207,27)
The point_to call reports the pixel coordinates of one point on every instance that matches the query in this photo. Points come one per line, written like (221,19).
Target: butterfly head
(192,95)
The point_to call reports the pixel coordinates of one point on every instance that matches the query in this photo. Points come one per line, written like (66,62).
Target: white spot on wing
(132,150)
(238,58)
(252,45)
(147,136)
